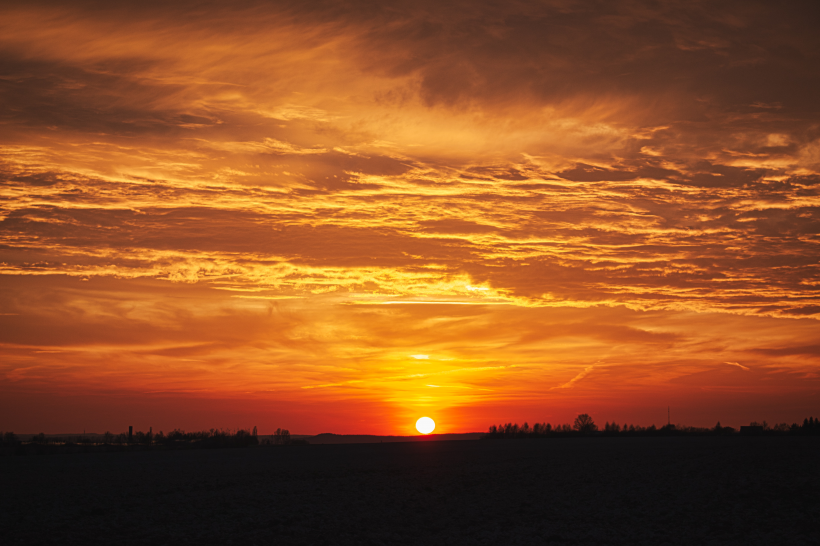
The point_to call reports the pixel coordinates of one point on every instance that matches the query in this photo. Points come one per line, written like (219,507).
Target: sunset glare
(425,425)
(338,216)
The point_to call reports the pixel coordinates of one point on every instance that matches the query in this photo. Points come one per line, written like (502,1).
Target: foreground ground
(548,491)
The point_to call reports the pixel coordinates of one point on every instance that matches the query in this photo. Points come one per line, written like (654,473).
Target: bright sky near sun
(338,217)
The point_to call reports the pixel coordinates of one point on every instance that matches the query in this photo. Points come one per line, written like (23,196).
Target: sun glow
(265,215)
(425,425)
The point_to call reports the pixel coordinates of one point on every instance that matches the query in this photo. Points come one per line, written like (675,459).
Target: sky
(342,216)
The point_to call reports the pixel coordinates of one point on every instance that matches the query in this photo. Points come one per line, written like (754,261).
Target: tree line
(282,438)
(177,438)
(585,425)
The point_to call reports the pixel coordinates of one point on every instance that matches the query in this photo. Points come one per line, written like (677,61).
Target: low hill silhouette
(331,438)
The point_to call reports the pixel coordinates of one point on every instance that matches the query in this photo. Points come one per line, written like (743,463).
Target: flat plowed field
(550,491)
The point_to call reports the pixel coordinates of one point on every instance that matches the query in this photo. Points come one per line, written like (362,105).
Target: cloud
(571,383)
(808,350)
(741,366)
(348,167)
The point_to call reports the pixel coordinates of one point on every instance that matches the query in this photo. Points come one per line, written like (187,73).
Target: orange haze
(340,217)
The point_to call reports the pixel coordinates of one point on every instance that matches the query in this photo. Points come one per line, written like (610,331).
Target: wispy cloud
(286,195)
(576,379)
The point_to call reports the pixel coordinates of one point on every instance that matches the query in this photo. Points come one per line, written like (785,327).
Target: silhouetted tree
(511,430)
(584,423)
(810,426)
(613,428)
(281,436)
(108,438)
(541,429)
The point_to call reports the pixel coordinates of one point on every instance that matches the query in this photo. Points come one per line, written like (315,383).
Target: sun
(425,425)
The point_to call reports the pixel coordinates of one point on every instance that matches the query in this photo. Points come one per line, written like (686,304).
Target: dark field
(543,491)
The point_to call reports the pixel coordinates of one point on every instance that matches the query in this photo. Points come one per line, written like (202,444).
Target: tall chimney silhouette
(130,433)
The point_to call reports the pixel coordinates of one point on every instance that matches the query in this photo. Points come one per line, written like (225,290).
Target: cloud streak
(569,384)
(455,164)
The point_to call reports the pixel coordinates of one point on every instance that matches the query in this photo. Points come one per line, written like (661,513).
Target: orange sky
(340,217)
